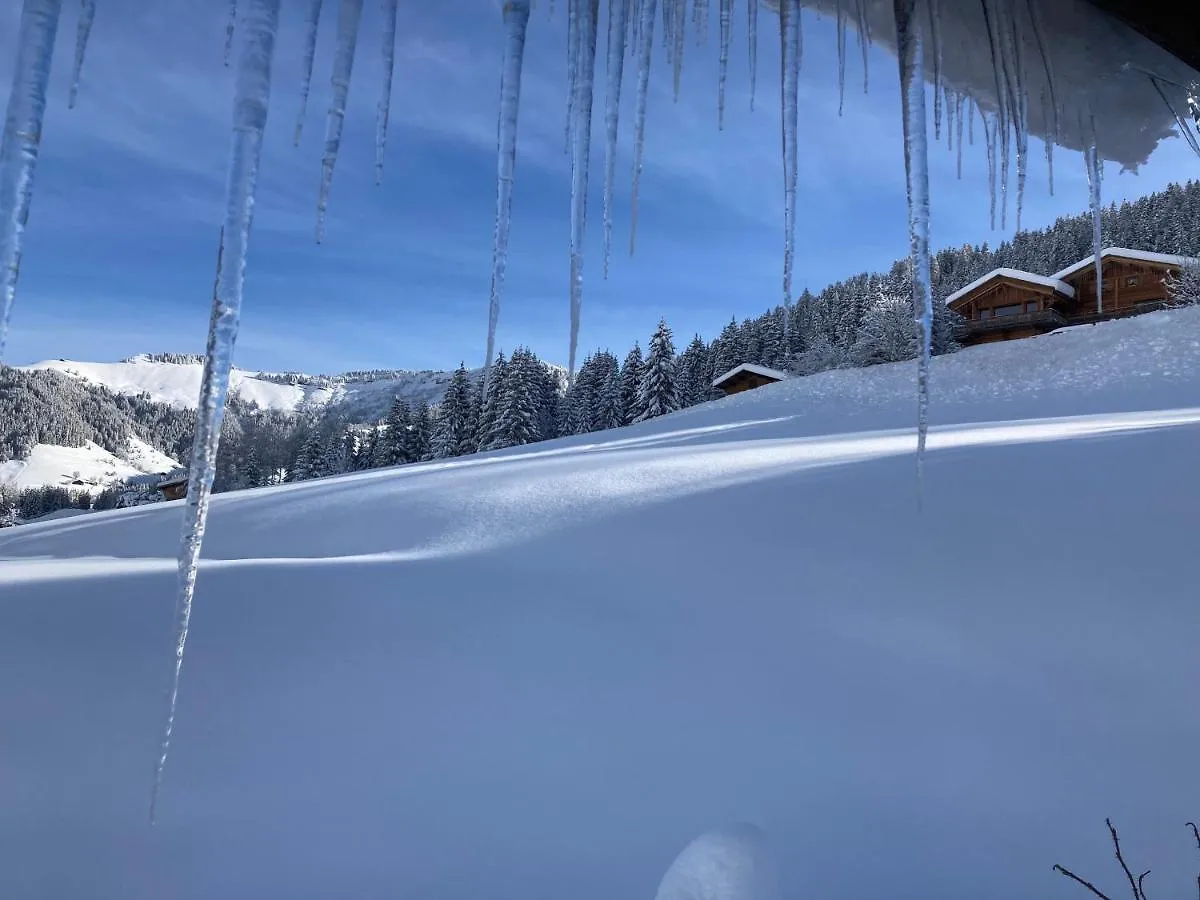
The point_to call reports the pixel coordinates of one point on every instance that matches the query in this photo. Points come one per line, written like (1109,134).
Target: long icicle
(516,24)
(935,38)
(589,14)
(1185,130)
(910,51)
(385,97)
(1091,159)
(726,23)
(22,139)
(83,31)
(752,46)
(251,101)
(645,53)
(618,30)
(1039,35)
(572,69)
(311,22)
(789,88)
(679,41)
(1020,100)
(864,41)
(989,137)
(841,55)
(993,26)
(349,15)
(230,27)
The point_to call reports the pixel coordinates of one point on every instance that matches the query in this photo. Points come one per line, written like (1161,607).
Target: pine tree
(308,462)
(889,333)
(489,411)
(610,413)
(631,381)
(420,440)
(695,373)
(659,391)
(454,435)
(396,440)
(516,423)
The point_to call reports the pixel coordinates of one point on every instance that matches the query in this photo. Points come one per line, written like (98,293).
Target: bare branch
(1087,884)
(1140,889)
(1117,844)
(1195,833)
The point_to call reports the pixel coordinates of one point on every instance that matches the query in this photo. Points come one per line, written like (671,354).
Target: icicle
(618,15)
(1185,129)
(572,72)
(1091,159)
(230,26)
(1039,34)
(580,156)
(678,35)
(726,14)
(645,51)
(516,23)
(958,131)
(841,55)
(971,121)
(864,40)
(700,20)
(789,71)
(935,38)
(385,98)
(310,51)
(951,99)
(349,15)
(994,30)
(990,125)
(259,23)
(87,15)
(1193,102)
(1020,105)
(752,39)
(910,51)
(22,138)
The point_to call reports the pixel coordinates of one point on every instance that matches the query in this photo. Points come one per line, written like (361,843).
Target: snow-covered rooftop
(1016,274)
(751,367)
(1126,253)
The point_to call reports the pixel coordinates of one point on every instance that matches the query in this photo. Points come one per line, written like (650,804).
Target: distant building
(1006,304)
(174,486)
(746,377)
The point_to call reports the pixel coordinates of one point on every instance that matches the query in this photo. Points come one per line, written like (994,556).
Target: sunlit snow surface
(543,672)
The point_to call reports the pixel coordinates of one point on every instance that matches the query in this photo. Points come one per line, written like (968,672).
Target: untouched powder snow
(544,672)
(91,464)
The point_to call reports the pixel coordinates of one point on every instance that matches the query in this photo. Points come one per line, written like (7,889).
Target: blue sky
(121,246)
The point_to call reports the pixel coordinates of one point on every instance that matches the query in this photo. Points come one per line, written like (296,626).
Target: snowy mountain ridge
(175,379)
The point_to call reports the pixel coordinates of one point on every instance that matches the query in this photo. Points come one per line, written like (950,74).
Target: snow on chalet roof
(750,367)
(1126,253)
(1054,282)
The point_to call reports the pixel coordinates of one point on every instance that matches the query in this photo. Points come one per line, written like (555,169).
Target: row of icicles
(630,35)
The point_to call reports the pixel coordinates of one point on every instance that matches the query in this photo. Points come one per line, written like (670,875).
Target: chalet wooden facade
(174,487)
(1007,304)
(746,377)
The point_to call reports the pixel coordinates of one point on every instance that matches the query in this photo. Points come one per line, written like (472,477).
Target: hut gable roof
(773,374)
(1164,259)
(1055,282)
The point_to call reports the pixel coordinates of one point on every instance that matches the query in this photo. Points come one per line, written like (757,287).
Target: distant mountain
(174,379)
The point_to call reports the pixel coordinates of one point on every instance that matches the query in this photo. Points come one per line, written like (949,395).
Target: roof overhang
(1040,282)
(1171,25)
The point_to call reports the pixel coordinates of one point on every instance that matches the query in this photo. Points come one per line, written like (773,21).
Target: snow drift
(542,672)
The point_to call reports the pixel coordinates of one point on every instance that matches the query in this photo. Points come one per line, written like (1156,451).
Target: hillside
(87,468)
(362,396)
(541,672)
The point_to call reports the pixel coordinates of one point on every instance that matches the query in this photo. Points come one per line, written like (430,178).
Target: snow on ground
(91,466)
(543,672)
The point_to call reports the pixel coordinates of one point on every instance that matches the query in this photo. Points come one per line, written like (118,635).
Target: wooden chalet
(746,377)
(1006,304)
(174,486)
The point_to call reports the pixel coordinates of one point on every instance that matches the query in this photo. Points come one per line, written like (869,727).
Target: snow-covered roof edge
(1126,253)
(1017,274)
(750,367)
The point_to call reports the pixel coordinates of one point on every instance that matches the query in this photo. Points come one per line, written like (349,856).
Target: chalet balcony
(1044,320)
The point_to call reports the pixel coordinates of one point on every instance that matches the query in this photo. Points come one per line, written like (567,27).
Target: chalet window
(1013,309)
(985,314)
(1031,306)
(1131,281)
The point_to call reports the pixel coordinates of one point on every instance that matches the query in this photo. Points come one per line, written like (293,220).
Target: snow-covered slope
(178,383)
(542,672)
(87,468)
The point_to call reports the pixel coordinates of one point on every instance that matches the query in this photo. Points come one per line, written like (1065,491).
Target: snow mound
(731,864)
(536,672)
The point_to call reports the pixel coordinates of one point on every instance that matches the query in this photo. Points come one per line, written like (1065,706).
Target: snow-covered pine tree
(1184,288)
(454,435)
(308,462)
(658,393)
(727,350)
(609,411)
(888,334)
(396,438)
(489,407)
(695,373)
(631,382)
(417,439)
(516,424)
